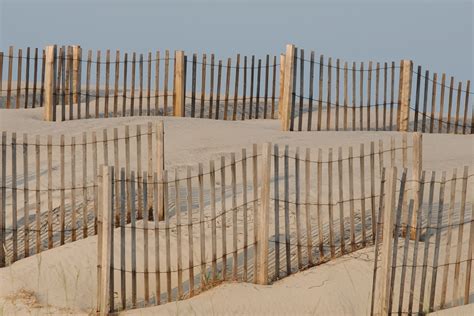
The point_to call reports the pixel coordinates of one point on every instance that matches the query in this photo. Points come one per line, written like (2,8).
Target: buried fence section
(49,193)
(206,237)
(430,269)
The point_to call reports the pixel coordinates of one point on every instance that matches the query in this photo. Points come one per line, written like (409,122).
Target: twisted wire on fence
(454,124)
(344,68)
(232,67)
(187,268)
(85,60)
(439,83)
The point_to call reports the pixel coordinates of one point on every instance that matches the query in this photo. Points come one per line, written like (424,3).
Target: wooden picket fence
(245,220)
(376,96)
(413,274)
(49,193)
(341,95)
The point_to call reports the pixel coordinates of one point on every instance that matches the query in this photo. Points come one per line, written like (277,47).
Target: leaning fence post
(160,161)
(76,71)
(105,239)
(263,217)
(405,94)
(416,174)
(287,87)
(50,84)
(179,83)
(387,233)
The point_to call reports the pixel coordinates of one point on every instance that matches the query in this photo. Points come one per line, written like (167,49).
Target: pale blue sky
(436,34)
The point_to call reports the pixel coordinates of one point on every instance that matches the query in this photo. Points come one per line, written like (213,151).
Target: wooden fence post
(76,71)
(282,76)
(50,84)
(263,217)
(105,253)
(387,235)
(405,94)
(416,174)
(160,166)
(179,97)
(286,97)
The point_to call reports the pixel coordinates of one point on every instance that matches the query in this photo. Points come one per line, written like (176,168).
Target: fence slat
(146,276)
(255,202)
(116,84)
(158,209)
(124,96)
(309,237)
(311,90)
(18,79)
(224,220)
(84,186)
(320,94)
(245,215)
(405,257)
(50,190)
(123,284)
(35,76)
(88,81)
(227,85)
(9,82)
(467,283)
(300,112)
(466,105)
(97,84)
(318,204)
(190,229)
(236,87)
(448,239)
(458,105)
(203,84)
(341,199)
(38,187)
(297,209)
(178,233)
(193,86)
(140,97)
(418,222)
(212,175)
(354,82)
(133,246)
(369,93)
(433,101)
(425,101)
(417,100)
(426,241)
(439,223)
(257,97)
(15,202)
(338,66)
(234,220)
(27,76)
(330,204)
(362,193)
(165,82)
(202,235)
(132,92)
(377,103)
(450,104)
(462,212)
(351,199)
(396,231)
(361,95)
(26,193)
(251,86)
(328,102)
(287,213)
(345,95)
(273,87)
(441,103)
(265,101)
